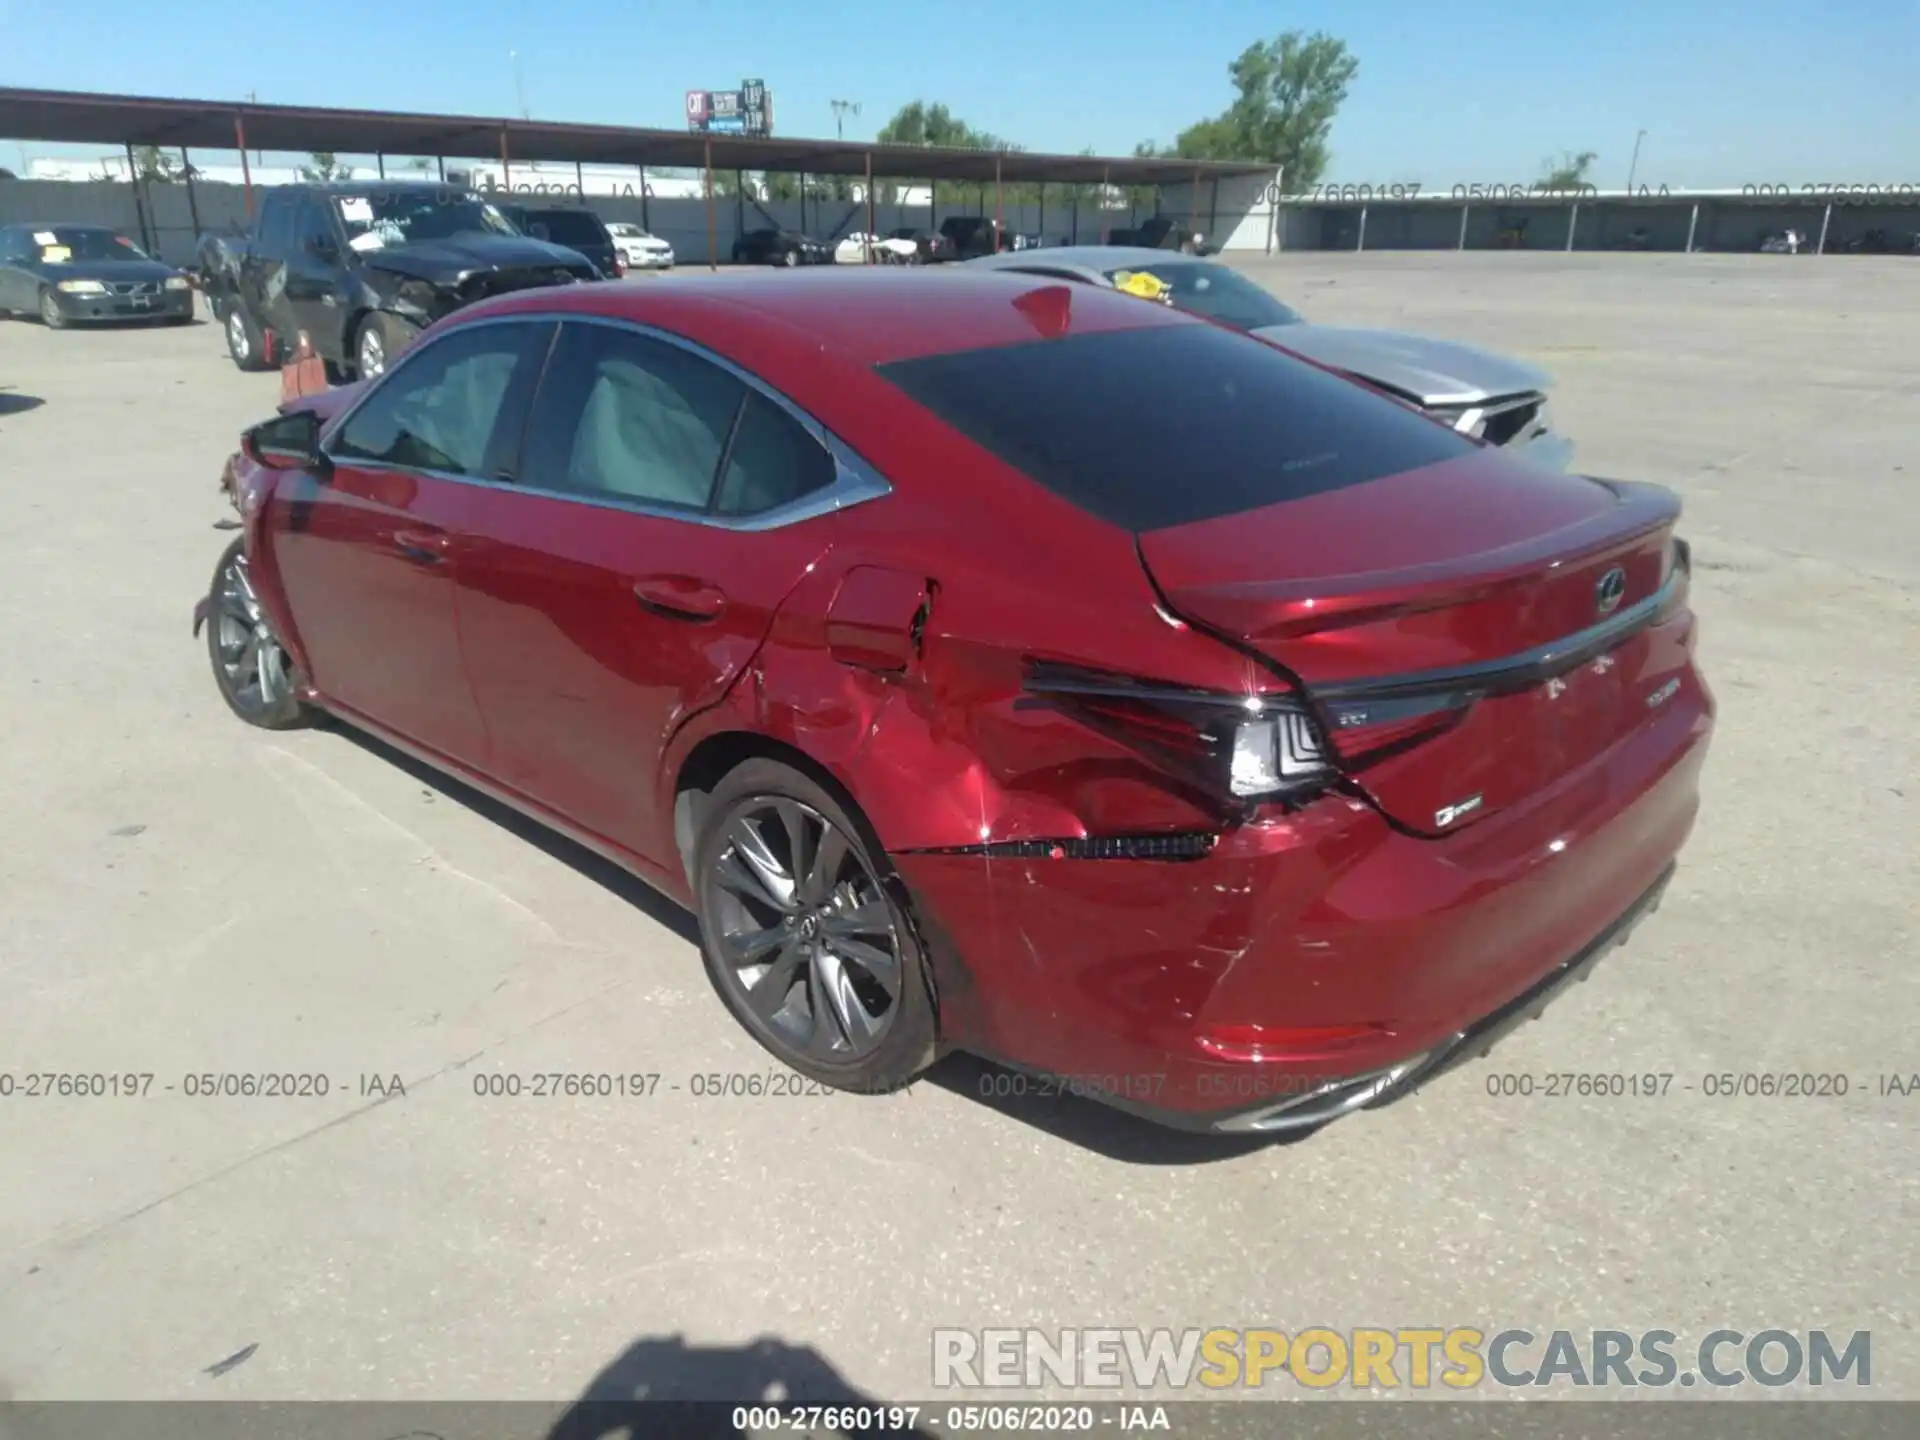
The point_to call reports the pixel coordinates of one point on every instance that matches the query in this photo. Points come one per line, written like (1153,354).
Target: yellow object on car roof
(1143,283)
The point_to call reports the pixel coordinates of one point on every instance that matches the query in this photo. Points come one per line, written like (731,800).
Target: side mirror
(287,442)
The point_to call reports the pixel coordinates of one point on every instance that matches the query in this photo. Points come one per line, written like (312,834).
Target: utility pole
(259,157)
(842,109)
(1634,164)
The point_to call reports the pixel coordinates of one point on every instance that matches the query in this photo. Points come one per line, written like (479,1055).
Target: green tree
(150,162)
(1569,172)
(325,166)
(918,123)
(1287,92)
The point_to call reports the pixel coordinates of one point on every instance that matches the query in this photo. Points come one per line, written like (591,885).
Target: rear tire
(805,934)
(381,340)
(255,674)
(246,344)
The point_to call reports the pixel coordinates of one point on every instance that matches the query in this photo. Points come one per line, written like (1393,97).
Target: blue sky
(1449,91)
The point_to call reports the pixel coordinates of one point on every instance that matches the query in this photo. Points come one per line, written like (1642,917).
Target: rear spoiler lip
(1509,672)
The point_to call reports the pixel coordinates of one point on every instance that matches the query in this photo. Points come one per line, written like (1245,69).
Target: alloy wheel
(373,353)
(237,337)
(50,310)
(803,931)
(254,669)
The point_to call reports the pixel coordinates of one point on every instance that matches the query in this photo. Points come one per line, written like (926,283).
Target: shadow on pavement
(628,887)
(663,1387)
(1028,1100)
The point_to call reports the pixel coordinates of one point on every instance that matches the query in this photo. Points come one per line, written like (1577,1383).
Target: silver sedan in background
(1490,397)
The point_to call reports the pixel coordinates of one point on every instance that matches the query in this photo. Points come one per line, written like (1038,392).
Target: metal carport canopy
(80,117)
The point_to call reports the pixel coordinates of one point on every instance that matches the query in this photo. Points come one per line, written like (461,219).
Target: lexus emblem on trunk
(1608,593)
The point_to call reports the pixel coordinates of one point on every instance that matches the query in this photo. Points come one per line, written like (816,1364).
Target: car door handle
(679,597)
(421,546)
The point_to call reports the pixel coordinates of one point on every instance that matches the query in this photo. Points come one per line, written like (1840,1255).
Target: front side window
(443,409)
(624,416)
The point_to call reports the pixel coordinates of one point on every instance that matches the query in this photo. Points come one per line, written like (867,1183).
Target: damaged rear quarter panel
(947,753)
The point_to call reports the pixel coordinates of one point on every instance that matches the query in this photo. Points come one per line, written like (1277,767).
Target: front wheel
(805,935)
(245,343)
(51,315)
(253,670)
(790,259)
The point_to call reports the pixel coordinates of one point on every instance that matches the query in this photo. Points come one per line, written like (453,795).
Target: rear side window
(1173,424)
(772,461)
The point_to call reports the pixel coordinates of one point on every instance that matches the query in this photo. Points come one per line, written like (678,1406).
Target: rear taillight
(1239,747)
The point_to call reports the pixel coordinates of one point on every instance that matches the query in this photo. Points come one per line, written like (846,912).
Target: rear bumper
(1312,963)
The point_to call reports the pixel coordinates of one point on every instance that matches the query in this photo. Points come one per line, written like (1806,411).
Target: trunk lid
(1459,628)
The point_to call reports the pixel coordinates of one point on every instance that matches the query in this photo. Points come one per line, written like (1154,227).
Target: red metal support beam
(713,223)
(246,170)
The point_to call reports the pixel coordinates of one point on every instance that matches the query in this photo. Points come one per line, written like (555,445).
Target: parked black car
(1879,241)
(67,274)
(970,236)
(1162,232)
(780,247)
(574,228)
(363,266)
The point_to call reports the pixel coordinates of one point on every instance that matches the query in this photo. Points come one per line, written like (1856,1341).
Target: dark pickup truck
(362,267)
(1162,233)
(970,236)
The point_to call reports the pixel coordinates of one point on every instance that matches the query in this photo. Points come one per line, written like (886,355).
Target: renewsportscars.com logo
(1458,1358)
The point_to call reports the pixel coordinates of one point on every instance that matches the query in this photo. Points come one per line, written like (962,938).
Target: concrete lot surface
(180,894)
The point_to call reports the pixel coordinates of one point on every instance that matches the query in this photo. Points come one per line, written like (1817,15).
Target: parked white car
(852,250)
(640,250)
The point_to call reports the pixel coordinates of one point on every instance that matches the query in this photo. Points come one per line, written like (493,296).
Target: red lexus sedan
(1001,665)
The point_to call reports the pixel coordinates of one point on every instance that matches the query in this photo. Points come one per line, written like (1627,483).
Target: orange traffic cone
(304,374)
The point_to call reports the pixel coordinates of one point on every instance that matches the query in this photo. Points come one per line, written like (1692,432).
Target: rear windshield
(1213,291)
(1172,424)
(571,226)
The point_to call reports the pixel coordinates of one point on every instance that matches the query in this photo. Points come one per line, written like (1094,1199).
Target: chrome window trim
(855,480)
